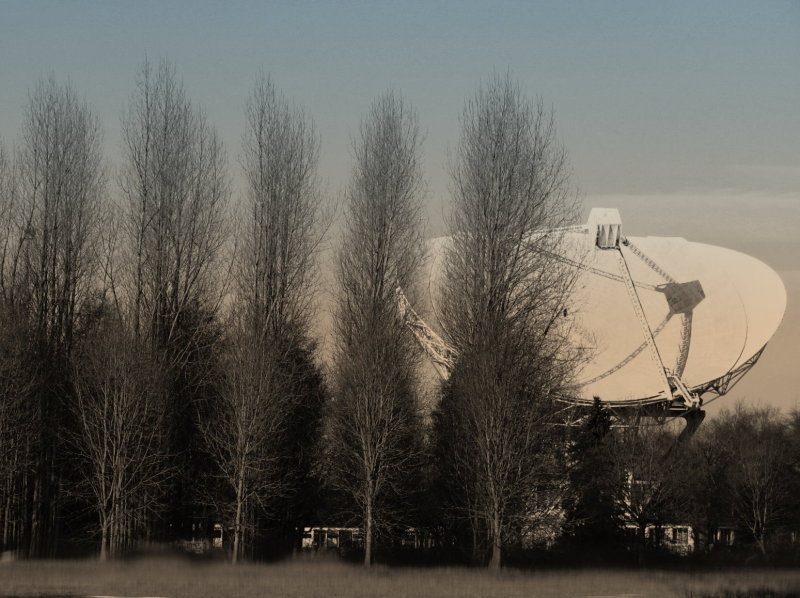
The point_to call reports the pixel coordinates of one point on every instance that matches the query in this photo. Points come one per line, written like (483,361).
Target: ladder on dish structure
(440,353)
(655,356)
(686,325)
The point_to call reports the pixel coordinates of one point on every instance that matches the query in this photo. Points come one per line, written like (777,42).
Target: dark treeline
(159,374)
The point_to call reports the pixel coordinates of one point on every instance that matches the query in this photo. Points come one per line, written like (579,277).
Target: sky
(684,115)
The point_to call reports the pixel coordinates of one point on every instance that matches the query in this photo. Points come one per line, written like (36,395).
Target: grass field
(180,578)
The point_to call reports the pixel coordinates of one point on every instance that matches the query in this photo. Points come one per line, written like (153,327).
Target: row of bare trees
(153,371)
(53,187)
(158,370)
(157,376)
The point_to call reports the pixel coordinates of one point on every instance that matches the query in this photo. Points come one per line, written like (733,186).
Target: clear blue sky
(685,114)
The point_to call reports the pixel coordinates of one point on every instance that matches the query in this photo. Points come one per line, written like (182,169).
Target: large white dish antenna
(708,312)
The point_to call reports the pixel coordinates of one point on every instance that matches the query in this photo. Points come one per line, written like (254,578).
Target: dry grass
(180,578)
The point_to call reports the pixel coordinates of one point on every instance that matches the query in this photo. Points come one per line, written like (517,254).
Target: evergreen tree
(592,518)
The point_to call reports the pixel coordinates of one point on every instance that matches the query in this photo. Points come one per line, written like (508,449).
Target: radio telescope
(666,323)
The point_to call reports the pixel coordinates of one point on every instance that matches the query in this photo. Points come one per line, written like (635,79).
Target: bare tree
(119,412)
(283,229)
(759,461)
(246,431)
(52,208)
(502,451)
(14,433)
(9,252)
(371,436)
(60,185)
(501,294)
(174,180)
(275,281)
(17,432)
(169,278)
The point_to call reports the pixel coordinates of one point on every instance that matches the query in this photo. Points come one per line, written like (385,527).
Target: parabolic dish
(710,312)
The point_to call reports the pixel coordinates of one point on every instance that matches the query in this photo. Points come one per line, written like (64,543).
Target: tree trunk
(761,543)
(476,552)
(497,544)
(33,540)
(237,523)
(7,512)
(641,544)
(104,542)
(368,535)
(237,534)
